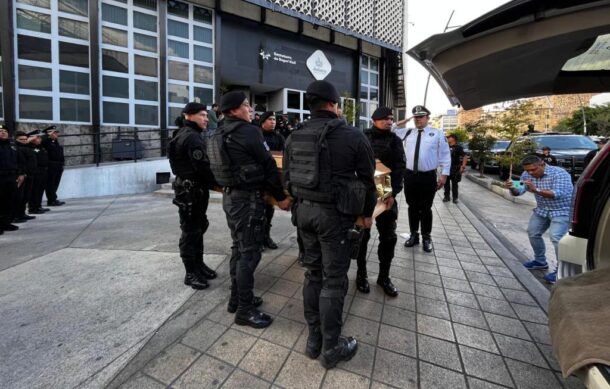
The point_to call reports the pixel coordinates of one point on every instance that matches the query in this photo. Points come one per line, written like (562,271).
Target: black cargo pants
(386,225)
(245,212)
(420,189)
(327,245)
(192,207)
(8,187)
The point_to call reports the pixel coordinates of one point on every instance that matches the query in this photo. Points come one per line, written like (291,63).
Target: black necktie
(416,158)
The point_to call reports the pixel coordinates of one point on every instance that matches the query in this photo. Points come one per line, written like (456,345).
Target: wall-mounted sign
(318,65)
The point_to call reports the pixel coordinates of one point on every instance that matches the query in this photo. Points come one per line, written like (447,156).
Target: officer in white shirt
(426,150)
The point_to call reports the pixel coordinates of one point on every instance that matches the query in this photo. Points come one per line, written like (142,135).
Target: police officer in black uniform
(25,191)
(56,166)
(11,177)
(275,142)
(189,162)
(329,169)
(40,177)
(388,148)
(241,162)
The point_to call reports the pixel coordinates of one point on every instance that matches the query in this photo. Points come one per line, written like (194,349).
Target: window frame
(367,86)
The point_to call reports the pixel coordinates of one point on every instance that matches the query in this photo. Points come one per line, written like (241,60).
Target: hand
(389,202)
(530,185)
(20,180)
(462,169)
(368,222)
(508,184)
(285,204)
(441,182)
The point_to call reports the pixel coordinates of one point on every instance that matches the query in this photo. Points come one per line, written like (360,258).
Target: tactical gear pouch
(251,174)
(351,196)
(354,237)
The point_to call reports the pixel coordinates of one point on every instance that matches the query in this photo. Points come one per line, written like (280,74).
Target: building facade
(114,74)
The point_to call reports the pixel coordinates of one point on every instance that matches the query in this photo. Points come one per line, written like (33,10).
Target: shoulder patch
(431,133)
(197,154)
(266,145)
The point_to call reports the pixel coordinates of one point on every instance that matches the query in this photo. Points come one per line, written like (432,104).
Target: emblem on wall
(318,65)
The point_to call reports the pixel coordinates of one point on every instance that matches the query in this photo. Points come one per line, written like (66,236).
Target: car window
(563,142)
(502,144)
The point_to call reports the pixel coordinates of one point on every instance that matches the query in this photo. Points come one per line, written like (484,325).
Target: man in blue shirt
(553,188)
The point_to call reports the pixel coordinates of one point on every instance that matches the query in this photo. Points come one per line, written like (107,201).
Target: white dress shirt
(433,150)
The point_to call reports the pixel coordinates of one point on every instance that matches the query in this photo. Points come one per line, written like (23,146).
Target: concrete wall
(111,178)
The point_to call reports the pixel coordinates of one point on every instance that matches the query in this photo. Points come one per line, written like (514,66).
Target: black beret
(20,133)
(265,116)
(546,148)
(323,90)
(193,108)
(231,100)
(420,110)
(382,113)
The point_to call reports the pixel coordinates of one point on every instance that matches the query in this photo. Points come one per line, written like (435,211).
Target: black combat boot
(344,351)
(193,277)
(233,305)
(362,284)
(206,272)
(388,286)
(254,318)
(314,343)
(427,244)
(269,243)
(413,240)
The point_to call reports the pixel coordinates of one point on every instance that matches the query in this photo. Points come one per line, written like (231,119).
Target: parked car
(529,48)
(492,163)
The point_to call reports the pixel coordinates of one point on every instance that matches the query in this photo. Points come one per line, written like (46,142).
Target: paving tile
(293,309)
(426,267)
(286,260)
(530,313)
(454,284)
(295,274)
(206,372)
(469,258)
(540,332)
(203,335)
(363,330)
(474,267)
(460,243)
(232,346)
(432,307)
(481,278)
(447,262)
(140,381)
(283,332)
(429,291)
(404,286)
(264,359)
(520,297)
(273,303)
(508,282)
(431,376)
(496,306)
(298,366)
(397,340)
(424,258)
(240,379)
(465,250)
(493,262)
(362,362)
(168,365)
(467,316)
(452,272)
(571,382)
(449,254)
(460,298)
(274,269)
(428,278)
(285,287)
(521,350)
(433,326)
(549,355)
(399,318)
(386,370)
(499,270)
(531,377)
(220,315)
(487,290)
(485,365)
(476,383)
(475,337)
(341,379)
(263,281)
(376,294)
(439,352)
(366,308)
(507,326)
(403,300)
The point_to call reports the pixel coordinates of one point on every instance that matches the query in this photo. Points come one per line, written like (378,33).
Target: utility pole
(447,26)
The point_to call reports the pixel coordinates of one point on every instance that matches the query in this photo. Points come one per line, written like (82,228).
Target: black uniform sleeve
(400,166)
(281,142)
(199,159)
(286,164)
(365,169)
(21,162)
(273,183)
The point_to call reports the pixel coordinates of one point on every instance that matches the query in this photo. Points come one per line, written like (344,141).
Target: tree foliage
(461,134)
(598,121)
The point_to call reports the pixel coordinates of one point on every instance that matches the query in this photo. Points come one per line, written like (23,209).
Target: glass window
(115,86)
(374,64)
(145,42)
(115,61)
(146,115)
(202,15)
(203,74)
(74,110)
(177,49)
(150,4)
(37,3)
(364,61)
(35,107)
(146,90)
(116,112)
(35,49)
(145,66)
(144,21)
(178,70)
(33,21)
(73,54)
(374,94)
(178,93)
(77,7)
(364,93)
(73,82)
(1,106)
(31,77)
(114,14)
(112,36)
(172,114)
(178,8)
(204,95)
(364,76)
(202,34)
(73,28)
(203,54)
(294,100)
(374,81)
(178,29)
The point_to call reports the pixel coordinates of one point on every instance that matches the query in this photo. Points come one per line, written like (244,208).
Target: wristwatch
(538,191)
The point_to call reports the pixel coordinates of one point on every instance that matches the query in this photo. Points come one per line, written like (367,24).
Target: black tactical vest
(225,172)
(178,156)
(310,169)
(382,145)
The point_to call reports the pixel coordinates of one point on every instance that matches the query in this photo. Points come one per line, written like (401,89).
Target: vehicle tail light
(584,179)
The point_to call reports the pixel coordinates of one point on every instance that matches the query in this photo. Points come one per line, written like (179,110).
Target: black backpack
(224,171)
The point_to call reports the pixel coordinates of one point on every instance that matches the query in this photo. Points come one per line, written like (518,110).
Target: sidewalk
(91,296)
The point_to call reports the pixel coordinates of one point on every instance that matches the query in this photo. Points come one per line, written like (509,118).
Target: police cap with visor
(420,110)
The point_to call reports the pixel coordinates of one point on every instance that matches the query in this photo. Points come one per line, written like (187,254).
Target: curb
(487,183)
